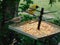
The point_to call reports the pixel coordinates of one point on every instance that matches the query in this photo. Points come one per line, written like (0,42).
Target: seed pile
(31,28)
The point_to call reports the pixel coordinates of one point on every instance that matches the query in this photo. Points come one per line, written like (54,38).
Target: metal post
(35,42)
(40,18)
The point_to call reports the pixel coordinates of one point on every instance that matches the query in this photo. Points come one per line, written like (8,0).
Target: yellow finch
(32,9)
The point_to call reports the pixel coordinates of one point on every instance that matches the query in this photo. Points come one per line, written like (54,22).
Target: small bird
(16,20)
(31,10)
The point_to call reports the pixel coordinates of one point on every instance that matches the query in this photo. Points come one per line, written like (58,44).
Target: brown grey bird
(16,20)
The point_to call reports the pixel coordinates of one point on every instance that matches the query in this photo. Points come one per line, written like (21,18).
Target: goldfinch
(31,10)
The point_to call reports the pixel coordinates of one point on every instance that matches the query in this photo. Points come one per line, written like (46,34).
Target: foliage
(58,0)
(27,17)
(55,21)
(26,5)
(52,1)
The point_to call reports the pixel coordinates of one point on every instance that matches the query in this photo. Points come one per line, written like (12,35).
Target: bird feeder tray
(30,29)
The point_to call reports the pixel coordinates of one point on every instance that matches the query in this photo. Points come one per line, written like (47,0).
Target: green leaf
(58,0)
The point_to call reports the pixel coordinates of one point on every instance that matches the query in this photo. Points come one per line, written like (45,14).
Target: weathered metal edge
(19,31)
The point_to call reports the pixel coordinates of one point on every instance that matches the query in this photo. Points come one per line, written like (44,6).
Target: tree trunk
(11,7)
(16,8)
(3,13)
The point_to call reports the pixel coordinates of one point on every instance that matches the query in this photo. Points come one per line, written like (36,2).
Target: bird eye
(37,7)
